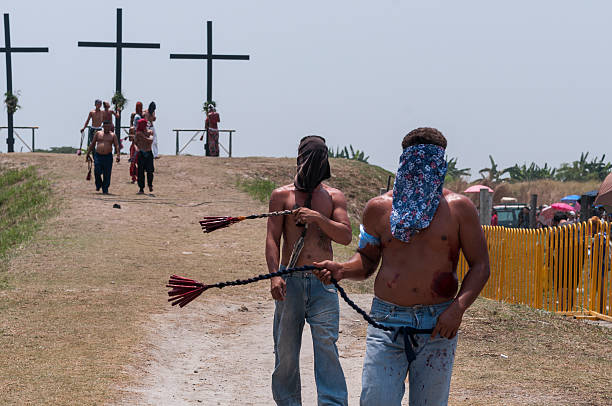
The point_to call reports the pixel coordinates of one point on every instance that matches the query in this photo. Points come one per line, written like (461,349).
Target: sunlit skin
(103,143)
(327,221)
(96,117)
(423,271)
(108,113)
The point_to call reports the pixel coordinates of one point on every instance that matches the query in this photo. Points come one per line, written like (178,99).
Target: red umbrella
(546,215)
(562,207)
(604,196)
(476,189)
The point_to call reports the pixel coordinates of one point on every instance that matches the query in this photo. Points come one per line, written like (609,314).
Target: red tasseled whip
(184,290)
(212,223)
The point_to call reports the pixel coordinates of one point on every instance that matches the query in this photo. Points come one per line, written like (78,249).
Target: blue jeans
(385,366)
(103,166)
(307,299)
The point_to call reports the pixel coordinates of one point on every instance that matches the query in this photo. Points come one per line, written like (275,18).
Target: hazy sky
(521,80)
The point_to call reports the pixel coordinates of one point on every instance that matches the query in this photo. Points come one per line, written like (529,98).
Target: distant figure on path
(103,142)
(212,131)
(150,116)
(96,117)
(134,118)
(301,297)
(144,142)
(418,230)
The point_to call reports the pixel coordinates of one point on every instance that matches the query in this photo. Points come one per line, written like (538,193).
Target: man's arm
(273,239)
(338,227)
(116,143)
(365,261)
(86,121)
(474,247)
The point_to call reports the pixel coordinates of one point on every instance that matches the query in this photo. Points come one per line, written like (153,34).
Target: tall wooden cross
(118,45)
(8,50)
(209,56)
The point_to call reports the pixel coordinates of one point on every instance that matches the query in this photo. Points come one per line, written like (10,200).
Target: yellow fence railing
(565,269)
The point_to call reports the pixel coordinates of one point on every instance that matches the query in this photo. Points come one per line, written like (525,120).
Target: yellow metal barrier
(566,269)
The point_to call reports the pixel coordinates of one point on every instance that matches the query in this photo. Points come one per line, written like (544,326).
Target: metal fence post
(532,211)
(230,144)
(177,142)
(33,131)
(486,200)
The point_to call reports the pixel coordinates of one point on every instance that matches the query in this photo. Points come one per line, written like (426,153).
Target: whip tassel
(212,223)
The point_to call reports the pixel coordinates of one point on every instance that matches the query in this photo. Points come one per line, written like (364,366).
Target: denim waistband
(382,305)
(298,274)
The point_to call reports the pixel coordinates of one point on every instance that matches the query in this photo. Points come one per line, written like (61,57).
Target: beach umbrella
(571,198)
(604,195)
(476,189)
(562,207)
(546,215)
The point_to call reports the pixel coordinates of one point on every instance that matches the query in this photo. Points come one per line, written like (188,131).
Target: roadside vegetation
(24,204)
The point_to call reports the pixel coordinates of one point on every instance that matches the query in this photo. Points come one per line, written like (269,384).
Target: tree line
(583,169)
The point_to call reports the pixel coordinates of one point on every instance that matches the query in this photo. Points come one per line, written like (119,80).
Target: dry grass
(87,284)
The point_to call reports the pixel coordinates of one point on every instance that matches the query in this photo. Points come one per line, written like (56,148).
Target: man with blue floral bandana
(417,230)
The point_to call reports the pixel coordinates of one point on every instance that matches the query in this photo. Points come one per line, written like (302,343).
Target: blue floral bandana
(417,190)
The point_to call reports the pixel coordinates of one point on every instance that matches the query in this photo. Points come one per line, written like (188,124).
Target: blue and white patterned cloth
(417,189)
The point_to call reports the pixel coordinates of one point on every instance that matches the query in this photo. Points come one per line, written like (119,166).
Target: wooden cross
(209,56)
(8,50)
(118,45)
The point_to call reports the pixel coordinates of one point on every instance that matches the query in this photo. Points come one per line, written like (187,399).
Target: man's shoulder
(331,190)
(283,190)
(380,203)
(459,204)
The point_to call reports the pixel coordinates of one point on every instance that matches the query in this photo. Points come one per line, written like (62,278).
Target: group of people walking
(102,137)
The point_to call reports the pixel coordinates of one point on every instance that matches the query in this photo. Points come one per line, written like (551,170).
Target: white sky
(522,80)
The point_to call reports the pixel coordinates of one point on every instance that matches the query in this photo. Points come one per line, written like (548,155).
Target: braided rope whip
(212,223)
(185,290)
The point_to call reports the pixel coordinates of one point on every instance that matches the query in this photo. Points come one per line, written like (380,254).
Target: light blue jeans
(385,366)
(307,299)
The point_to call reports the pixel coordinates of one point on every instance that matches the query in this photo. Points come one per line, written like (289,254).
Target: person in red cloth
(134,118)
(212,131)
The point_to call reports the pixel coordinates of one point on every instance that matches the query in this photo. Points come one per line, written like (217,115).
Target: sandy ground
(231,363)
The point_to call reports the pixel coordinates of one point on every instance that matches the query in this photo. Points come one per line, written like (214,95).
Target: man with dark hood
(319,219)
(417,230)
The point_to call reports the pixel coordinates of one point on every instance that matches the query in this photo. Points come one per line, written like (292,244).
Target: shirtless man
(301,296)
(144,141)
(96,117)
(417,230)
(103,142)
(109,114)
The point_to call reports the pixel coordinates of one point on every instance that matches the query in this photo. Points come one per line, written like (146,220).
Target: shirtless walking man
(144,141)
(417,230)
(96,117)
(301,296)
(103,142)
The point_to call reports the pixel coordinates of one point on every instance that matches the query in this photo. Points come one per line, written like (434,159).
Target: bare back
(422,271)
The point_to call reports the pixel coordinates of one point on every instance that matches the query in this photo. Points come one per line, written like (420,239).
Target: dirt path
(86,319)
(221,354)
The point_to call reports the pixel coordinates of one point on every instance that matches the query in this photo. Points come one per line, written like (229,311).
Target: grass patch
(259,188)
(24,203)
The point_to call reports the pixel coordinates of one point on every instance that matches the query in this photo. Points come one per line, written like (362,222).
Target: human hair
(152,108)
(424,135)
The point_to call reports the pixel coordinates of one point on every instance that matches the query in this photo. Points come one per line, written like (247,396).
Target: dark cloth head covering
(417,190)
(312,164)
